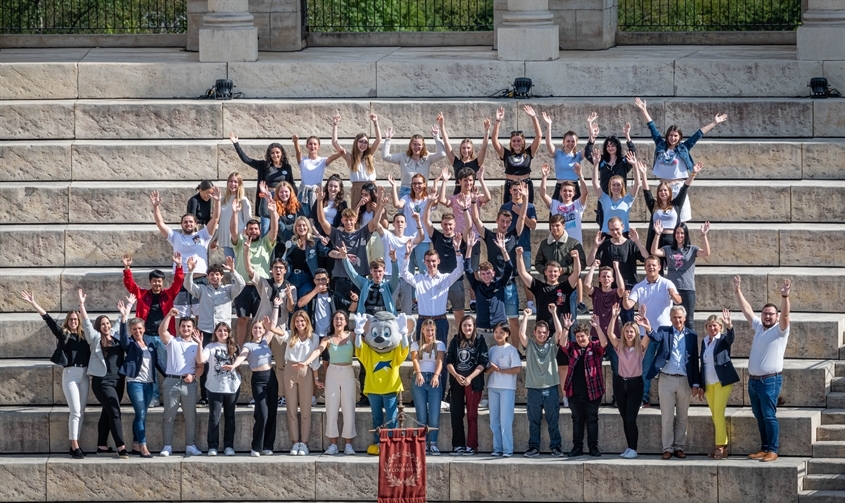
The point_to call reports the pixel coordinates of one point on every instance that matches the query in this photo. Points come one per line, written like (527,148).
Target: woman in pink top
(629,381)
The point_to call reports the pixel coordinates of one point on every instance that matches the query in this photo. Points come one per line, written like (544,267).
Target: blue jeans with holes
(764,404)
(390,404)
(427,404)
(140,394)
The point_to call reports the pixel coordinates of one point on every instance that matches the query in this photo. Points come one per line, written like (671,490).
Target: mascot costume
(382,344)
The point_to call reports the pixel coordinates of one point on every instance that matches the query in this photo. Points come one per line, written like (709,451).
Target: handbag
(59,357)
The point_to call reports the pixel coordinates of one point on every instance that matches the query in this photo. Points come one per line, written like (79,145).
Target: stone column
(228,32)
(527,32)
(821,36)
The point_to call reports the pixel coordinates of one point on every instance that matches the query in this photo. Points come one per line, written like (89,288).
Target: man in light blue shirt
(676,361)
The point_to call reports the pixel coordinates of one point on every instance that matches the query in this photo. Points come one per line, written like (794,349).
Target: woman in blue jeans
(139,366)
(427,357)
(301,254)
(501,389)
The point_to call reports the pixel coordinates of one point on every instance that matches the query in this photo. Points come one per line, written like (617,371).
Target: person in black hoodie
(272,170)
(466,360)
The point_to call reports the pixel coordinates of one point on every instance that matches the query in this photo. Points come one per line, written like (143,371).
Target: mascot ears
(406,324)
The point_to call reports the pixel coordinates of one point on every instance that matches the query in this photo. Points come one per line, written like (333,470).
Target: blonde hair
(421,343)
(621,180)
(423,151)
(309,236)
(715,319)
(472,156)
(294,333)
(239,194)
(636,330)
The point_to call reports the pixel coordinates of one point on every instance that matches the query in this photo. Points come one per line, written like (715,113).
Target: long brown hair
(231,345)
(357,158)
(294,334)
(105,342)
(668,204)
(66,326)
(463,340)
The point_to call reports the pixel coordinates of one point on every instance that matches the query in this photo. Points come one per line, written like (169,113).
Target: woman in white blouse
(359,158)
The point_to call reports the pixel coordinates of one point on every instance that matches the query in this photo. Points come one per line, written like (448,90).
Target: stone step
(833,416)
(44,429)
(116,203)
(140,119)
(829,449)
(152,160)
(821,496)
(825,482)
(336,478)
(820,290)
(805,383)
(837,384)
(839,368)
(836,400)
(831,432)
(102,245)
(826,466)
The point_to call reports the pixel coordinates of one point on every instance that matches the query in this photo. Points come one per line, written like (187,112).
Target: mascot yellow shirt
(382,369)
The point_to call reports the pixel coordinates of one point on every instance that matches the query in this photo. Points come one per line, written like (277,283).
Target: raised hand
(318,193)
(527,312)
(599,238)
(626,130)
(568,321)
(658,227)
(547,119)
(574,254)
(553,310)
(785,287)
(434,130)
(643,322)
(440,119)
(233,137)
(408,247)
(266,321)
(529,110)
(726,318)
(576,167)
(127,260)
(736,283)
(472,239)
(374,118)
(215,193)
(277,301)
(123,309)
(518,251)
(486,127)
(594,321)
(192,264)
(392,254)
(616,310)
(391,180)
(456,241)
(523,189)
(705,228)
(444,174)
(697,168)
(173,313)
(635,237)
(720,118)
(294,138)
(596,153)
(81,296)
(131,299)
(336,119)
(155,199)
(631,157)
(196,337)
(230,264)
(592,118)
(500,241)
(500,114)
(342,250)
(545,169)
(641,104)
(480,174)
(28,297)
(389,133)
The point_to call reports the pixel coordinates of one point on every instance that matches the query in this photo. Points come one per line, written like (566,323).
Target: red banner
(401,466)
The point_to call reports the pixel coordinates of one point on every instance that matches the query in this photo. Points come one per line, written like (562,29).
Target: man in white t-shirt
(765,365)
(180,381)
(403,295)
(572,209)
(655,294)
(191,242)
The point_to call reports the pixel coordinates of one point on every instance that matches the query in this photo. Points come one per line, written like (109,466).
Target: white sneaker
(266,452)
(349,450)
(303,449)
(282,402)
(229,451)
(483,404)
(625,453)
(154,403)
(251,403)
(433,450)
(444,405)
(332,450)
(255,454)
(530,305)
(632,454)
(191,450)
(313,401)
(565,402)
(166,451)
(212,452)
(294,451)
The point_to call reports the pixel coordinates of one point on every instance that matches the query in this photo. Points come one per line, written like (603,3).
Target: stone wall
(279,24)
(584,24)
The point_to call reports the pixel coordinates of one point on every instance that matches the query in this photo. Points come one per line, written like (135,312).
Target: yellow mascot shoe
(373,450)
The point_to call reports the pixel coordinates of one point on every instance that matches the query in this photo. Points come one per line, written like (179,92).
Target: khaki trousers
(340,394)
(299,388)
(675,396)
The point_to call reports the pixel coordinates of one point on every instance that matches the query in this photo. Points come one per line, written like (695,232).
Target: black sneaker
(105,451)
(472,306)
(532,452)
(575,452)
(363,402)
(203,402)
(557,453)
(595,452)
(123,454)
(458,451)
(613,402)
(77,454)
(582,308)
(468,451)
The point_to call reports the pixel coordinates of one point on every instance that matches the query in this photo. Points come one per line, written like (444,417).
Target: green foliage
(400,15)
(709,15)
(93,16)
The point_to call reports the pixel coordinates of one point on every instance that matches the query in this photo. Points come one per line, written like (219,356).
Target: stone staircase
(79,155)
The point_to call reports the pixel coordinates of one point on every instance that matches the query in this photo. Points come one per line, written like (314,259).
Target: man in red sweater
(154,303)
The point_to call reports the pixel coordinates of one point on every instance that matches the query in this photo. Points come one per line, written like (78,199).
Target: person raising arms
(517,157)
(359,158)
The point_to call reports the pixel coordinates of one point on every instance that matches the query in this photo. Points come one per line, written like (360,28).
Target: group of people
(301,258)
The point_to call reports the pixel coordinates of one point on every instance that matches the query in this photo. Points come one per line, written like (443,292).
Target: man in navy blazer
(676,362)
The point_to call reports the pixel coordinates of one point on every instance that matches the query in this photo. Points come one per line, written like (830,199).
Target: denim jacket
(363,283)
(311,254)
(134,354)
(682,149)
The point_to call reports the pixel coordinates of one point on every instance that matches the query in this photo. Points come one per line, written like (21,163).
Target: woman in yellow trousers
(718,374)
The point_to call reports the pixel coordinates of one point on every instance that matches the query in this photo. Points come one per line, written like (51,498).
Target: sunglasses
(516,133)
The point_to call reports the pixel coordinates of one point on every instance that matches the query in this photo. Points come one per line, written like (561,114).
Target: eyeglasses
(363,140)
(515,133)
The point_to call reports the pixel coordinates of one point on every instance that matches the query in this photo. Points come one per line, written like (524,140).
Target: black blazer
(134,354)
(722,360)
(663,337)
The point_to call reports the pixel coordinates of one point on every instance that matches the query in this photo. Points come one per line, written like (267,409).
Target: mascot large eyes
(384,331)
